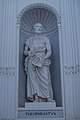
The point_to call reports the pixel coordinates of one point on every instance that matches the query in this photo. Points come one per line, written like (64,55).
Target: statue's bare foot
(50,100)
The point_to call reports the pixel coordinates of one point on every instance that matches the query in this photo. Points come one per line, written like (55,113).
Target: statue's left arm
(48,48)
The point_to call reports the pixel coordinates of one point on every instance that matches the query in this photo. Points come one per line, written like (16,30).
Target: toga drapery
(38,74)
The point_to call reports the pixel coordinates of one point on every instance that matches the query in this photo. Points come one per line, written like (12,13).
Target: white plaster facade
(69,55)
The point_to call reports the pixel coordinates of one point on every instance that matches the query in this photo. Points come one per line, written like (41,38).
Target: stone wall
(69,55)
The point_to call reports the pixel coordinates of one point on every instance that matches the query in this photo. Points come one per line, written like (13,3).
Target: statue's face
(38,28)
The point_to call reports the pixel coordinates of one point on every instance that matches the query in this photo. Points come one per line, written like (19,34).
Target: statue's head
(38,28)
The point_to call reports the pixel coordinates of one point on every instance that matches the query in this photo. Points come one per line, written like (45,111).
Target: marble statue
(37,62)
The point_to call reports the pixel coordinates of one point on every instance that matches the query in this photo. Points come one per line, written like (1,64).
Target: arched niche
(49,18)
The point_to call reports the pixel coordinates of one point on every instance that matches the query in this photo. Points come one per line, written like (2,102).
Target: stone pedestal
(40,111)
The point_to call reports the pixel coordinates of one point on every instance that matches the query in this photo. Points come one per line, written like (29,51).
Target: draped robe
(38,73)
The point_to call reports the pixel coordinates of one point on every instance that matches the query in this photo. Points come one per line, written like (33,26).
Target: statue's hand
(25,52)
(31,53)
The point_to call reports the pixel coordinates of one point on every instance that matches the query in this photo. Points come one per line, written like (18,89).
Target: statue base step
(40,105)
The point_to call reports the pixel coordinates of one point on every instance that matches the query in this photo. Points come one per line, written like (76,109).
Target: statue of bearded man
(37,51)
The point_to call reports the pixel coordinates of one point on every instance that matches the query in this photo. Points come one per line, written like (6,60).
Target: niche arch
(50,19)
